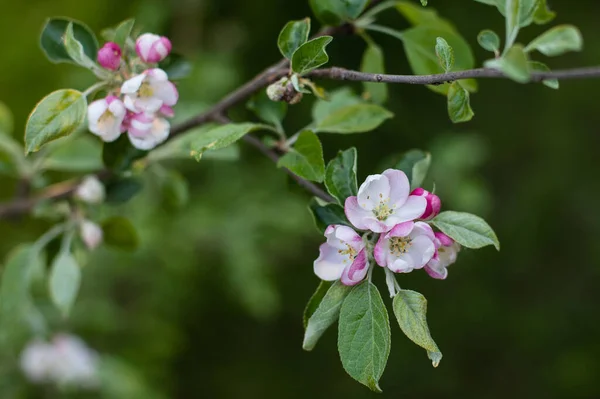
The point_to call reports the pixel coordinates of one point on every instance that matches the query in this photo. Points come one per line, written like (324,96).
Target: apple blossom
(37,361)
(91,234)
(383,201)
(109,56)
(91,190)
(446,253)
(434,204)
(152,48)
(105,118)
(146,131)
(149,91)
(406,247)
(343,256)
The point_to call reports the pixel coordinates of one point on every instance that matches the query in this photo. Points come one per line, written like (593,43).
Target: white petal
(411,210)
(374,190)
(166,92)
(96,109)
(329,266)
(399,186)
(156,75)
(421,250)
(132,85)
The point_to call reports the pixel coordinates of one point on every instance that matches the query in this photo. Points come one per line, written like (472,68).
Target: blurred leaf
(221,137)
(557,41)
(468,230)
(122,190)
(489,40)
(535,66)
(305,159)
(6,120)
(65,278)
(175,190)
(53,44)
(119,155)
(415,164)
(334,12)
(339,99)
(16,280)
(12,158)
(514,64)
(82,154)
(293,35)
(364,335)
(315,301)
(373,62)
(410,309)
(459,106)
(445,54)
(123,31)
(120,233)
(271,112)
(326,215)
(310,55)
(542,14)
(56,115)
(513,19)
(176,66)
(527,10)
(420,16)
(326,313)
(357,118)
(340,175)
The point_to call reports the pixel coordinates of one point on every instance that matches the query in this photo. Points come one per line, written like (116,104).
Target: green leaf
(535,66)
(529,11)
(358,118)
(120,233)
(6,119)
(175,190)
(423,3)
(75,50)
(542,14)
(364,335)
(445,54)
(338,99)
(557,41)
(119,155)
(420,16)
(514,64)
(176,66)
(65,278)
(459,107)
(468,230)
(122,190)
(310,55)
(53,44)
(123,31)
(334,12)
(415,164)
(221,137)
(315,301)
(326,215)
(326,313)
(373,62)
(489,40)
(305,159)
(271,112)
(340,175)
(293,35)
(513,19)
(410,309)
(57,115)
(81,154)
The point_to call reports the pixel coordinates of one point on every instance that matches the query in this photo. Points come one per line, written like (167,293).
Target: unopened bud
(277,90)
(152,48)
(434,204)
(91,234)
(109,56)
(91,190)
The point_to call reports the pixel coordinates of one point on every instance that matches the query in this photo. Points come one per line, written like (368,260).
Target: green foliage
(123,31)
(334,12)
(75,49)
(529,10)
(513,19)
(364,337)
(340,175)
(325,314)
(557,41)
(305,159)
(468,230)
(122,189)
(310,55)
(74,154)
(315,301)
(514,64)
(57,115)
(64,281)
(358,118)
(53,44)
(489,40)
(271,112)
(535,66)
(293,35)
(176,66)
(415,164)
(326,214)
(221,137)
(119,155)
(410,309)
(337,100)
(445,54)
(373,62)
(120,233)
(175,190)
(459,106)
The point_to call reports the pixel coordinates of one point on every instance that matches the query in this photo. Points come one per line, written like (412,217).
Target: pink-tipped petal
(401,230)
(440,274)
(380,251)
(444,239)
(355,214)
(329,266)
(356,272)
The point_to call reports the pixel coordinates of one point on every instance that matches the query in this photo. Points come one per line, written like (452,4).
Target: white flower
(446,253)
(91,190)
(152,48)
(149,91)
(105,118)
(406,247)
(91,234)
(146,131)
(343,256)
(383,201)
(37,361)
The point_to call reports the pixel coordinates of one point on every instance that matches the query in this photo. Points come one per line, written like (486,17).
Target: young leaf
(423,3)
(65,278)
(271,112)
(56,115)
(53,45)
(334,12)
(514,64)
(445,54)
(513,20)
(75,50)
(420,16)
(221,137)
(357,118)
(415,164)
(293,35)
(536,66)
(310,55)
(338,99)
(410,309)
(340,175)
(557,41)
(306,158)
(364,335)
(373,62)
(459,107)
(542,15)
(489,40)
(325,315)
(120,233)
(468,230)
(315,301)
(325,215)
(122,32)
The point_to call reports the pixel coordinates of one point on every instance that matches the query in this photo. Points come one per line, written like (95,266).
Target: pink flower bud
(433,203)
(152,48)
(109,56)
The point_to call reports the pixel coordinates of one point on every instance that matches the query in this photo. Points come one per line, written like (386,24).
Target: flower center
(145,90)
(382,211)
(349,251)
(106,119)
(400,245)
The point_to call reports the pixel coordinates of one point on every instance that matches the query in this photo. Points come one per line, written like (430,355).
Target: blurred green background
(211,304)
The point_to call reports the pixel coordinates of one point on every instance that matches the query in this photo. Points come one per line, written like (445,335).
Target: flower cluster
(65,361)
(141,104)
(404,240)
